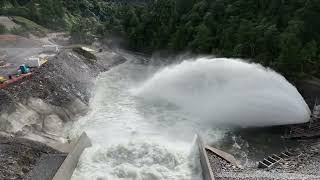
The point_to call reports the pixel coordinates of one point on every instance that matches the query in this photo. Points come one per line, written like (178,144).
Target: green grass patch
(30,26)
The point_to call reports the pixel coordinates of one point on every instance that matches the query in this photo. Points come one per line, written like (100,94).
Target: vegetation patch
(283,35)
(3,29)
(29,26)
(85,53)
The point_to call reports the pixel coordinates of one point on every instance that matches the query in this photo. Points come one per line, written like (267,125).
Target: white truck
(33,62)
(50,49)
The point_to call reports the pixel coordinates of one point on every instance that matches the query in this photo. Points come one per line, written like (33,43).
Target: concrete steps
(274,159)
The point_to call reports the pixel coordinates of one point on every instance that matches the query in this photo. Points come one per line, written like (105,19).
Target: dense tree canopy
(282,34)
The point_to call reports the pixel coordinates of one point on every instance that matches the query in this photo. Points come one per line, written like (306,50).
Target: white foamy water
(228,92)
(133,139)
(143,128)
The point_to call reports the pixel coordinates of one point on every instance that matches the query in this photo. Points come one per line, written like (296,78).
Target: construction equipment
(43,61)
(24,69)
(14,78)
(2,79)
(36,62)
(50,48)
(33,62)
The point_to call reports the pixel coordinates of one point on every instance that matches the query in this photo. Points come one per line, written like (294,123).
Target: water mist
(146,133)
(227,92)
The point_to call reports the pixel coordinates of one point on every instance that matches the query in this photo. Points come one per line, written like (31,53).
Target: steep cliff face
(39,107)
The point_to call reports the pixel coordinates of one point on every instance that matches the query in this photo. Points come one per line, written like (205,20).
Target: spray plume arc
(227,92)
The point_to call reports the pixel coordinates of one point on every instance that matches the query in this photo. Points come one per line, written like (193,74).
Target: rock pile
(306,160)
(303,164)
(220,165)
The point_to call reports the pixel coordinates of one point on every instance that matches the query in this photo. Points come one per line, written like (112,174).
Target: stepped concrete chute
(70,163)
(204,161)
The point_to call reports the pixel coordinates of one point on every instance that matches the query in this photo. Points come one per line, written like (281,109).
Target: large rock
(40,106)
(52,124)
(22,116)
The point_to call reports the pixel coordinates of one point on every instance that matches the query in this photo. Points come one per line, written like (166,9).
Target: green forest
(281,34)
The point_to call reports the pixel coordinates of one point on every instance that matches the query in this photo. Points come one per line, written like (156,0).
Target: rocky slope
(38,107)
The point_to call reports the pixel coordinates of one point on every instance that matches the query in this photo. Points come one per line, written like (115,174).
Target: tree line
(282,34)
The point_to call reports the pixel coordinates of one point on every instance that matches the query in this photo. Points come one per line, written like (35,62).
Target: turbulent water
(143,120)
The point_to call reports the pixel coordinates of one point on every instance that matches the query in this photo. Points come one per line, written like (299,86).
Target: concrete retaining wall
(205,164)
(70,163)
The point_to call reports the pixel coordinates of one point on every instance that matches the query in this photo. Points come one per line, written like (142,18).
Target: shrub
(3,29)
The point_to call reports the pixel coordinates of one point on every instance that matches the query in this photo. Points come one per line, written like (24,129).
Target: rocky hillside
(38,107)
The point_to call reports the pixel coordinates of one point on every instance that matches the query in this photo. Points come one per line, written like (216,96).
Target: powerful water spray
(146,133)
(227,92)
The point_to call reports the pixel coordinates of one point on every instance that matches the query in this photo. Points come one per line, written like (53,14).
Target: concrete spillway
(154,113)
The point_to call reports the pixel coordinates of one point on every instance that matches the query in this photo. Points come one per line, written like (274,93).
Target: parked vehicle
(2,79)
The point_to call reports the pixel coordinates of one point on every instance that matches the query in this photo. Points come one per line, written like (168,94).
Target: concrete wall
(205,164)
(70,163)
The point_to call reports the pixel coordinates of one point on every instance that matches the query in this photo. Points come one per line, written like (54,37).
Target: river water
(142,135)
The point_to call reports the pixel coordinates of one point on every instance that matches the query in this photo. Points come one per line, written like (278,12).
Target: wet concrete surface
(46,167)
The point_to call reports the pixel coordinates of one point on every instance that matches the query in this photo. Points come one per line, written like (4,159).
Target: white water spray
(134,139)
(228,92)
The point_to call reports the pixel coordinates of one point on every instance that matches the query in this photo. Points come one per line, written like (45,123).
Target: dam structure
(153,111)
(156,111)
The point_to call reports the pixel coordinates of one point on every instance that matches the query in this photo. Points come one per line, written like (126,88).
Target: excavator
(23,72)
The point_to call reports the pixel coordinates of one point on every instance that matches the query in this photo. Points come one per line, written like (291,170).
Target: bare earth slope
(38,107)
